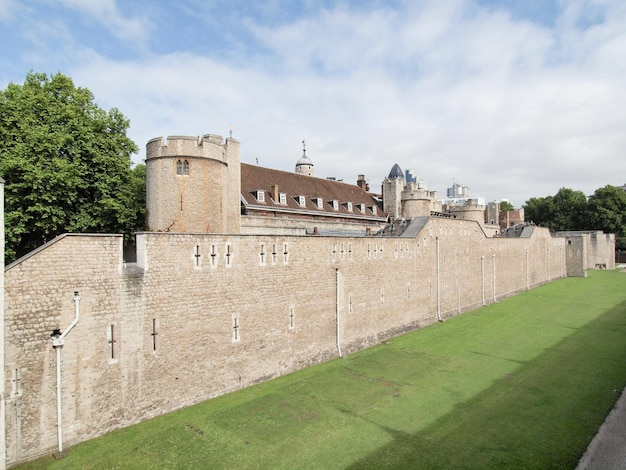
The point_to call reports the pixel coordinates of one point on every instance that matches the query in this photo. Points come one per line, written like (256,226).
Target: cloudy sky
(514,99)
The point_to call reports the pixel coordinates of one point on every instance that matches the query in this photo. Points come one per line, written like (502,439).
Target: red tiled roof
(254,178)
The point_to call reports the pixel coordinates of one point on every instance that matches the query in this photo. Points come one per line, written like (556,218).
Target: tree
(66,163)
(606,211)
(506,206)
(539,210)
(138,189)
(561,212)
(568,209)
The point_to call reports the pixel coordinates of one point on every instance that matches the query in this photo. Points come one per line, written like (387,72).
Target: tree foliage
(607,212)
(571,210)
(66,163)
(506,206)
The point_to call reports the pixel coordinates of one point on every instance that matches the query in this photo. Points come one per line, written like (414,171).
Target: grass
(524,383)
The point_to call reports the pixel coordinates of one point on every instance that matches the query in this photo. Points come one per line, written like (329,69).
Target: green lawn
(524,383)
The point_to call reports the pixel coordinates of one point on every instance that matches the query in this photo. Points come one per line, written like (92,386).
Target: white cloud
(508,107)
(136,30)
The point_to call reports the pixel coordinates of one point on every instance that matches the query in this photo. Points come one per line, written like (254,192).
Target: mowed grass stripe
(523,383)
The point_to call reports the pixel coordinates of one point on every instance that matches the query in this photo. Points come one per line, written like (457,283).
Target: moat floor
(607,451)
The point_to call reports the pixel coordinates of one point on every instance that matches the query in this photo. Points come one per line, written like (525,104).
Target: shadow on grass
(541,416)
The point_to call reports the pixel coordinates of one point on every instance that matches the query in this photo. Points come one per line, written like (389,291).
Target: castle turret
(304,165)
(193,184)
(392,192)
(417,201)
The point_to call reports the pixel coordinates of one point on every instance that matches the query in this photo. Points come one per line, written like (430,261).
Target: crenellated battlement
(206,146)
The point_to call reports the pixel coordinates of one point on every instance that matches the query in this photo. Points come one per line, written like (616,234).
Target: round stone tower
(193,184)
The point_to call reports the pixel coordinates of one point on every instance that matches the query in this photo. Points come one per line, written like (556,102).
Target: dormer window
(260,195)
(373,208)
(282,197)
(348,206)
(361,208)
(301,201)
(335,204)
(319,202)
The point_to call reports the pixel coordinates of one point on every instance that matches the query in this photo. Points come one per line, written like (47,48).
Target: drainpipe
(57,344)
(438,289)
(482,272)
(493,264)
(527,273)
(337,310)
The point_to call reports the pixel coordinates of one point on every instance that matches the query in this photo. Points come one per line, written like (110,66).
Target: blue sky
(514,99)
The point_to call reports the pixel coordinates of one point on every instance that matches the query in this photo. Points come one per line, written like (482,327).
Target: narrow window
(408,290)
(342,251)
(274,253)
(292,318)
(262,255)
(197,256)
(154,334)
(186,167)
(16,384)
(236,333)
(112,341)
(350,307)
(349,250)
(382,296)
(285,254)
(179,167)
(229,255)
(213,256)
(334,251)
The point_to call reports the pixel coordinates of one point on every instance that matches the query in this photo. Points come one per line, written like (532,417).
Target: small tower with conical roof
(304,165)
(392,192)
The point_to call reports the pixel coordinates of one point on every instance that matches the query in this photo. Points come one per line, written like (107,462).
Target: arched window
(179,167)
(185,167)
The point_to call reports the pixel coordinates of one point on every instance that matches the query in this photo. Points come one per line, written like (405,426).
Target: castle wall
(200,315)
(576,249)
(599,247)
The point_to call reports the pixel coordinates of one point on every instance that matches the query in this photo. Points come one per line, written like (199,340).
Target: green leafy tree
(506,206)
(568,209)
(606,211)
(539,210)
(66,163)
(138,188)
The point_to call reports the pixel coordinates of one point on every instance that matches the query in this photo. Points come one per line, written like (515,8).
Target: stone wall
(599,247)
(200,315)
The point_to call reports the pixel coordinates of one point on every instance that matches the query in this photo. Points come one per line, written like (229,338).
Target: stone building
(184,323)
